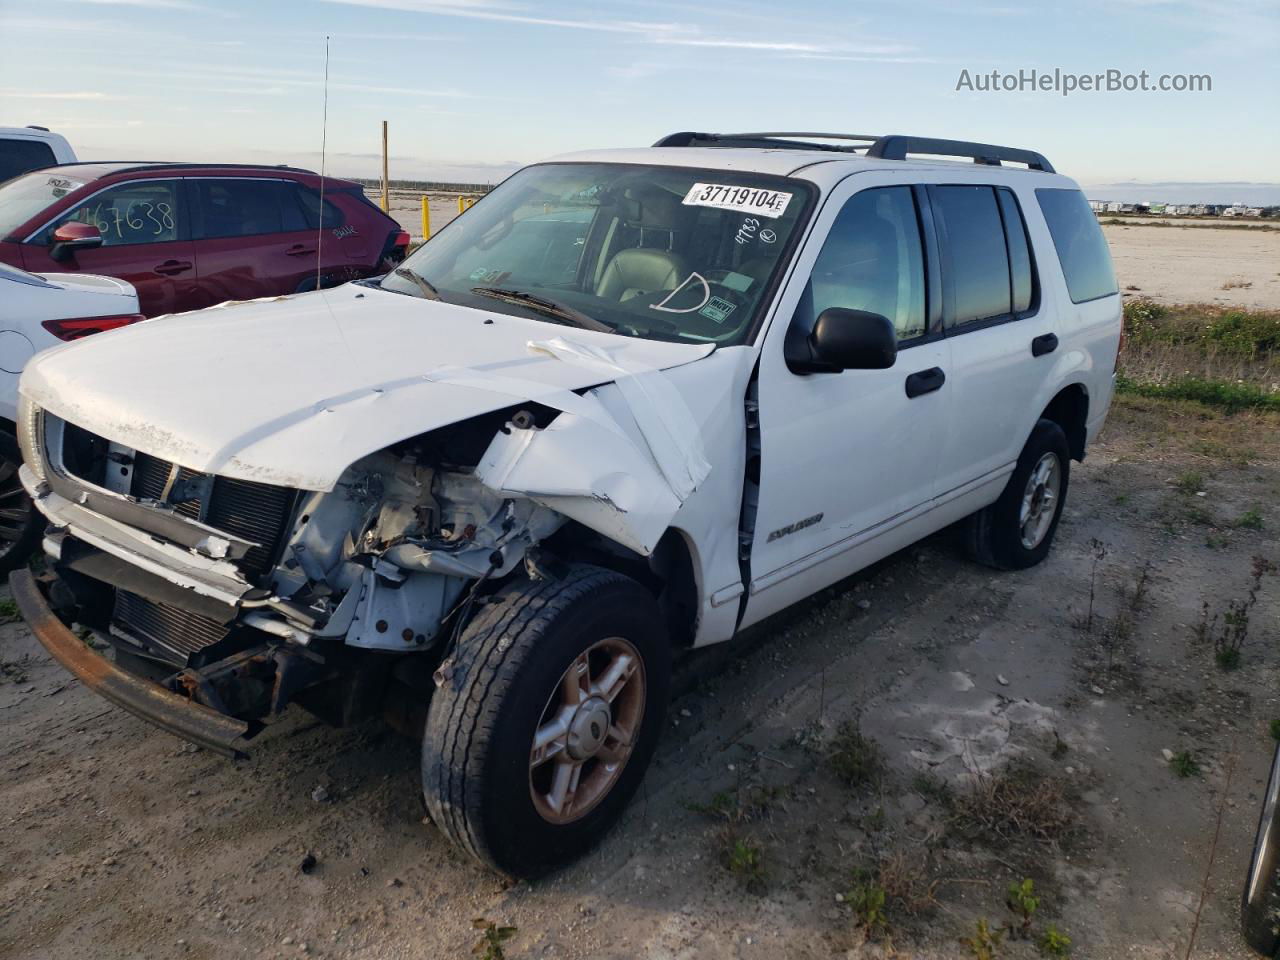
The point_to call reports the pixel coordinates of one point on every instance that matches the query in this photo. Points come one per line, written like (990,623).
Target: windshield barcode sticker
(766,203)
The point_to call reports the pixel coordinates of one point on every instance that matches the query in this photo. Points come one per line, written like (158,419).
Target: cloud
(150,4)
(57,94)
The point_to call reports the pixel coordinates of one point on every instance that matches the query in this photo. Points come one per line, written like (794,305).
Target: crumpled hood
(292,390)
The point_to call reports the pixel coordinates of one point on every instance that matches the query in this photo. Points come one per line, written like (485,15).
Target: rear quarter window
(19,156)
(1081,247)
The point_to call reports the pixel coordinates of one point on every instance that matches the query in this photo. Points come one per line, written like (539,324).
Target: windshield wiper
(552,309)
(428,291)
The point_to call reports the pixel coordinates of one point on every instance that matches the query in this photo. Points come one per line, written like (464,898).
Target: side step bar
(150,701)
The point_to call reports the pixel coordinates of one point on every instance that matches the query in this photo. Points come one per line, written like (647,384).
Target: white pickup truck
(630,403)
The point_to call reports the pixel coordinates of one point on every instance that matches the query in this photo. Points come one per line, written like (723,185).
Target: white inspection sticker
(766,203)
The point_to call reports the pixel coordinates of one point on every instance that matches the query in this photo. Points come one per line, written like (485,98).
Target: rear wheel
(546,719)
(1260,904)
(21,524)
(1017,530)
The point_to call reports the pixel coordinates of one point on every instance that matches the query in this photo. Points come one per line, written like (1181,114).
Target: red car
(191,235)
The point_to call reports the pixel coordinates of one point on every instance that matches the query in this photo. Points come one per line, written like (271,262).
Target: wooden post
(386,199)
(426,220)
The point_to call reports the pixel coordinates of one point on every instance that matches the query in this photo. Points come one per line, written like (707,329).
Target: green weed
(492,937)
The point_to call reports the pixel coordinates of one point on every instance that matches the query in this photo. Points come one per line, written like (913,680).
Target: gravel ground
(119,841)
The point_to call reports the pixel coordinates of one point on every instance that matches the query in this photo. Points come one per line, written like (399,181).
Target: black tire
(510,660)
(21,525)
(994,535)
(1260,902)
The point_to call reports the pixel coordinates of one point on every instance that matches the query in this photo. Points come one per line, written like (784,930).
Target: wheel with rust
(546,719)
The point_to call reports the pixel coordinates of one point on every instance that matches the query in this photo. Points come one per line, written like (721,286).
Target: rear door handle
(926,381)
(299,250)
(1044,344)
(170,267)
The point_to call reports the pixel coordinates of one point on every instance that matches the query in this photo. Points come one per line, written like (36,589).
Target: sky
(473,89)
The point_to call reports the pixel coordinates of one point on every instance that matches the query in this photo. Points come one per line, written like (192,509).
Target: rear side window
(1082,249)
(1021,281)
(241,208)
(872,260)
(19,156)
(979,263)
(144,211)
(311,207)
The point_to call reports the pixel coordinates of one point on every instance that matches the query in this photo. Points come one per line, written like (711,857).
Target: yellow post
(426,219)
(462,204)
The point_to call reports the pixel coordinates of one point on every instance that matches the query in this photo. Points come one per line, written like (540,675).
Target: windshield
(662,252)
(23,197)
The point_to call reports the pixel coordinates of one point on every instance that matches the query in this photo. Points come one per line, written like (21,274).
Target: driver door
(848,459)
(145,240)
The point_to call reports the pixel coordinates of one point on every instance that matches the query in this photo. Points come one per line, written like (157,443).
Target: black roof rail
(135,165)
(892,147)
(36,126)
(896,147)
(767,141)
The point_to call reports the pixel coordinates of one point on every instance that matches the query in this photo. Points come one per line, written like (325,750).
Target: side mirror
(848,340)
(72,236)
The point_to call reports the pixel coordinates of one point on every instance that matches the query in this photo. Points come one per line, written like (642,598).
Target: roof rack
(891,147)
(135,165)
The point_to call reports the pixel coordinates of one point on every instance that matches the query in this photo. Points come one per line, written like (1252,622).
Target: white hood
(292,390)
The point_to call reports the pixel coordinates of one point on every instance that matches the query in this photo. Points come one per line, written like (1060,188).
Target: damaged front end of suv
(238,597)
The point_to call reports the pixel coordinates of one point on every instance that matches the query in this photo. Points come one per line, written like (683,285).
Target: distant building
(1098,206)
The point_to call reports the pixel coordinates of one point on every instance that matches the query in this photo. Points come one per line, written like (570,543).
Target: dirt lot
(1198,264)
(118,841)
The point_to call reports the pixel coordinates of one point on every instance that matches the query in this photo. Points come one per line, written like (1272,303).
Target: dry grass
(1225,356)
(1013,803)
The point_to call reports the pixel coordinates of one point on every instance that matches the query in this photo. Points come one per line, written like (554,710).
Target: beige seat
(641,270)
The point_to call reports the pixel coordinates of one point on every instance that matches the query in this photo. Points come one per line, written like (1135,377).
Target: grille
(253,511)
(179,631)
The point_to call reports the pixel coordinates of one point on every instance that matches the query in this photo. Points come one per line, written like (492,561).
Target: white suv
(630,403)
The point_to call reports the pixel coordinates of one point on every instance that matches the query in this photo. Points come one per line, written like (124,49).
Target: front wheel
(546,719)
(21,524)
(1017,530)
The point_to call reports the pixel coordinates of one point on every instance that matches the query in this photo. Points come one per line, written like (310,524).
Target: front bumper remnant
(150,701)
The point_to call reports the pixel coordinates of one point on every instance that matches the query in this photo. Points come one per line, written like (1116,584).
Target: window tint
(976,246)
(1082,249)
(19,156)
(872,260)
(240,208)
(1015,232)
(145,211)
(310,200)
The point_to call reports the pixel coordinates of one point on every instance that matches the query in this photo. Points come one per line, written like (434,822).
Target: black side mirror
(845,340)
(73,236)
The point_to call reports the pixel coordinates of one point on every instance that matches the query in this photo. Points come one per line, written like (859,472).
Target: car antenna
(324,135)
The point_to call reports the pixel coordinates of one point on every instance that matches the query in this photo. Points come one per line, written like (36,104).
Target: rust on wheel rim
(586,731)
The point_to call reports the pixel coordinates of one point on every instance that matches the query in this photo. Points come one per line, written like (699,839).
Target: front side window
(650,251)
(1082,249)
(872,260)
(144,211)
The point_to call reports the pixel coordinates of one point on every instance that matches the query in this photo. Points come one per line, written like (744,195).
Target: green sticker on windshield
(718,309)
(737,281)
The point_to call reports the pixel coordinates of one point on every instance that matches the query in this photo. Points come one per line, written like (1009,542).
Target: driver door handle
(170,267)
(925,381)
(298,250)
